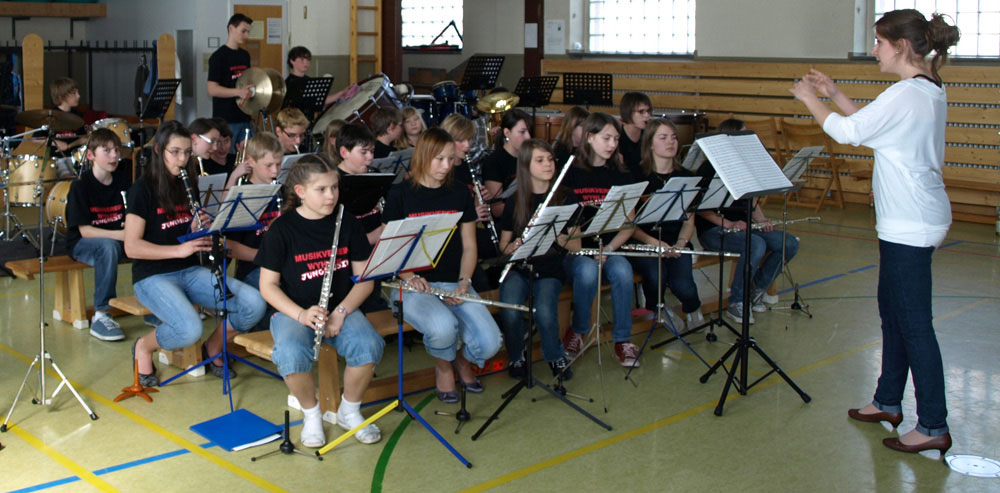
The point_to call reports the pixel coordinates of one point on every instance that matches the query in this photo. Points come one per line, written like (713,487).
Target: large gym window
(978,21)
(423,20)
(660,27)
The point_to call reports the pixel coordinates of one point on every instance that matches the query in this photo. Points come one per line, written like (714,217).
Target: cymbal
(498,102)
(57,120)
(268,90)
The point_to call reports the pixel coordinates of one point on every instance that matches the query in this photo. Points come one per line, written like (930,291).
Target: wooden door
(266,48)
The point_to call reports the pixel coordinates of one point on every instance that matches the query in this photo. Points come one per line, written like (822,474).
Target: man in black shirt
(299,61)
(224,67)
(635,112)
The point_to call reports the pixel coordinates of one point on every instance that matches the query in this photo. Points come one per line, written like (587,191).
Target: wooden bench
(182,358)
(69,304)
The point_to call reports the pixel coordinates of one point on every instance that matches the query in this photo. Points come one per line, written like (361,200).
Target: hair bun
(941,34)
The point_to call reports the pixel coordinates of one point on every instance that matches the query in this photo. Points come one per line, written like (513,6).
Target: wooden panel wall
(33,59)
(759,89)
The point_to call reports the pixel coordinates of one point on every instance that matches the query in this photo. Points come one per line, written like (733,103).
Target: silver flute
(280,199)
(324,294)
(776,224)
(656,251)
(490,225)
(125,205)
(441,293)
(538,210)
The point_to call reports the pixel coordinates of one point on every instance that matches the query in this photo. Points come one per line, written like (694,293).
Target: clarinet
(203,257)
(490,225)
(324,294)
(280,200)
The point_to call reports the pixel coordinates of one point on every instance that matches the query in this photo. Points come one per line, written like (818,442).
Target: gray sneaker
(735,312)
(105,328)
(757,300)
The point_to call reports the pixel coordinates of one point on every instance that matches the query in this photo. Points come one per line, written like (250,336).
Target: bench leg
(184,358)
(77,304)
(60,299)
(329,380)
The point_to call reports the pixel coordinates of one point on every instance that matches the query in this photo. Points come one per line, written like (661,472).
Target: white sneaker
(312,431)
(693,319)
(367,435)
(771,299)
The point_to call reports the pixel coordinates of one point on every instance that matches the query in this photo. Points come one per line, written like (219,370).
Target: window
(423,20)
(978,21)
(641,26)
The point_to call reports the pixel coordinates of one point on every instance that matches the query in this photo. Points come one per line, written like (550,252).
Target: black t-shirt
(370,219)
(213,168)
(224,67)
(161,229)
(382,150)
(545,266)
(252,238)
(631,153)
(406,200)
(562,154)
(737,211)
(671,229)
(462,175)
(299,250)
(500,166)
(591,185)
(295,86)
(92,203)
(68,136)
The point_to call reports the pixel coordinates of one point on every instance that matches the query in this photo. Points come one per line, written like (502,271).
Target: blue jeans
(171,297)
(103,254)
(908,340)
(760,244)
(676,273)
(442,325)
(582,272)
(546,292)
(238,130)
(252,278)
(357,342)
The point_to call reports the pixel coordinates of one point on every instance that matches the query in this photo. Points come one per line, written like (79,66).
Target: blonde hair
(329,150)
(459,127)
(291,117)
(263,143)
(403,141)
(428,145)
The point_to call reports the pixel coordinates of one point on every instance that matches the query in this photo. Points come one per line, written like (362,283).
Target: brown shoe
(893,418)
(941,443)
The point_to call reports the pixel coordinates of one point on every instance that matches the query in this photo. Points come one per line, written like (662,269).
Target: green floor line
(390,445)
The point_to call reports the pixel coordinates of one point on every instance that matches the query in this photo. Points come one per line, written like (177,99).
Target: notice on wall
(530,35)
(257,30)
(555,37)
(274,30)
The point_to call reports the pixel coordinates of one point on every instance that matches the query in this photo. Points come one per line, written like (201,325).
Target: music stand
(396,252)
(669,203)
(361,193)
(481,72)
(587,89)
(748,171)
(155,106)
(314,94)
(397,162)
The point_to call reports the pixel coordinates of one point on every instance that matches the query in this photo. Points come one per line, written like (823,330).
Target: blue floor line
(946,245)
(862,269)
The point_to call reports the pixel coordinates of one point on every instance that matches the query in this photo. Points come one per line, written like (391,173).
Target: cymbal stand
(44,355)
(798,303)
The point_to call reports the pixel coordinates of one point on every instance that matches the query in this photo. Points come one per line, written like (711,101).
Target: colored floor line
(875,240)
(559,459)
(61,459)
(950,244)
(390,445)
(159,430)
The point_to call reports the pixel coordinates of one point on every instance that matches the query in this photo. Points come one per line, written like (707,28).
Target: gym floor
(665,435)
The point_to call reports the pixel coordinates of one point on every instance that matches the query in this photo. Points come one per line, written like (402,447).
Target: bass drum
(374,93)
(25,169)
(118,126)
(55,205)
(688,124)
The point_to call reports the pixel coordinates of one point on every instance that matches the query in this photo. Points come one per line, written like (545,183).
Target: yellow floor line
(159,430)
(559,459)
(64,461)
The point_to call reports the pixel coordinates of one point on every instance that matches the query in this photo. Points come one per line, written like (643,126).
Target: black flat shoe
(216,370)
(476,387)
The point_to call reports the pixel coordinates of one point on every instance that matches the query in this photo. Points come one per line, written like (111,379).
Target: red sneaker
(572,343)
(627,353)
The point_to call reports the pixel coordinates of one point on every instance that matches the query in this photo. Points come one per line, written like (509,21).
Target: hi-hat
(498,102)
(267,93)
(57,120)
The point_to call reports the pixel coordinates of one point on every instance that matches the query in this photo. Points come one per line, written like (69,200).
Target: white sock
(98,313)
(312,427)
(348,407)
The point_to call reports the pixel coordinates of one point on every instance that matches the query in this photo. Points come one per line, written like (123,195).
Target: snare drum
(55,205)
(25,169)
(427,107)
(374,93)
(446,90)
(547,126)
(116,125)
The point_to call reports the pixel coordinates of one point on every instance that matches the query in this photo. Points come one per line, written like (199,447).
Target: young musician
(299,60)
(659,162)
(166,275)
(413,126)
(765,242)
(290,127)
(224,67)
(205,139)
(635,112)
(293,257)
(463,131)
(536,171)
(596,167)
(356,145)
(570,134)
(66,97)
(500,168)
(444,322)
(328,148)
(95,216)
(220,159)
(387,125)
(905,126)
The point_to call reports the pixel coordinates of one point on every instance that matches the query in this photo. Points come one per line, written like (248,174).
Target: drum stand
(44,355)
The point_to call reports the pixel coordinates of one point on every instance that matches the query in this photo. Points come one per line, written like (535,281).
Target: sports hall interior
(666,434)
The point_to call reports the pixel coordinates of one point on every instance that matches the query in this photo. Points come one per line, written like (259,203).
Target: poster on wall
(274,30)
(555,37)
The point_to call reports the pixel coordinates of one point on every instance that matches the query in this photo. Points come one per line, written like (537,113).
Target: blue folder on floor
(239,427)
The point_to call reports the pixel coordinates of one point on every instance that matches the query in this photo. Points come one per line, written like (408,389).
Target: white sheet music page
(715,194)
(619,201)
(797,164)
(669,202)
(254,200)
(694,158)
(539,243)
(744,165)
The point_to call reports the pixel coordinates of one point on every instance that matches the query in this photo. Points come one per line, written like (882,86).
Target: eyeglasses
(179,152)
(209,141)
(295,136)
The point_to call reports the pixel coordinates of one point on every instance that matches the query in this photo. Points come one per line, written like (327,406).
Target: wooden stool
(182,358)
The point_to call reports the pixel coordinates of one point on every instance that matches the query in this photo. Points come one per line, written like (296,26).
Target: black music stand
(535,91)
(587,89)
(314,93)
(481,72)
(154,106)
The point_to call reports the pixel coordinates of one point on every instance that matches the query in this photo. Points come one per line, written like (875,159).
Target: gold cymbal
(498,102)
(268,90)
(57,120)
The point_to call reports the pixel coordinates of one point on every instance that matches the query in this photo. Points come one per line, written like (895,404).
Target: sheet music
(669,203)
(537,243)
(397,237)
(254,201)
(716,196)
(286,164)
(797,164)
(396,162)
(693,159)
(744,164)
(216,184)
(619,201)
